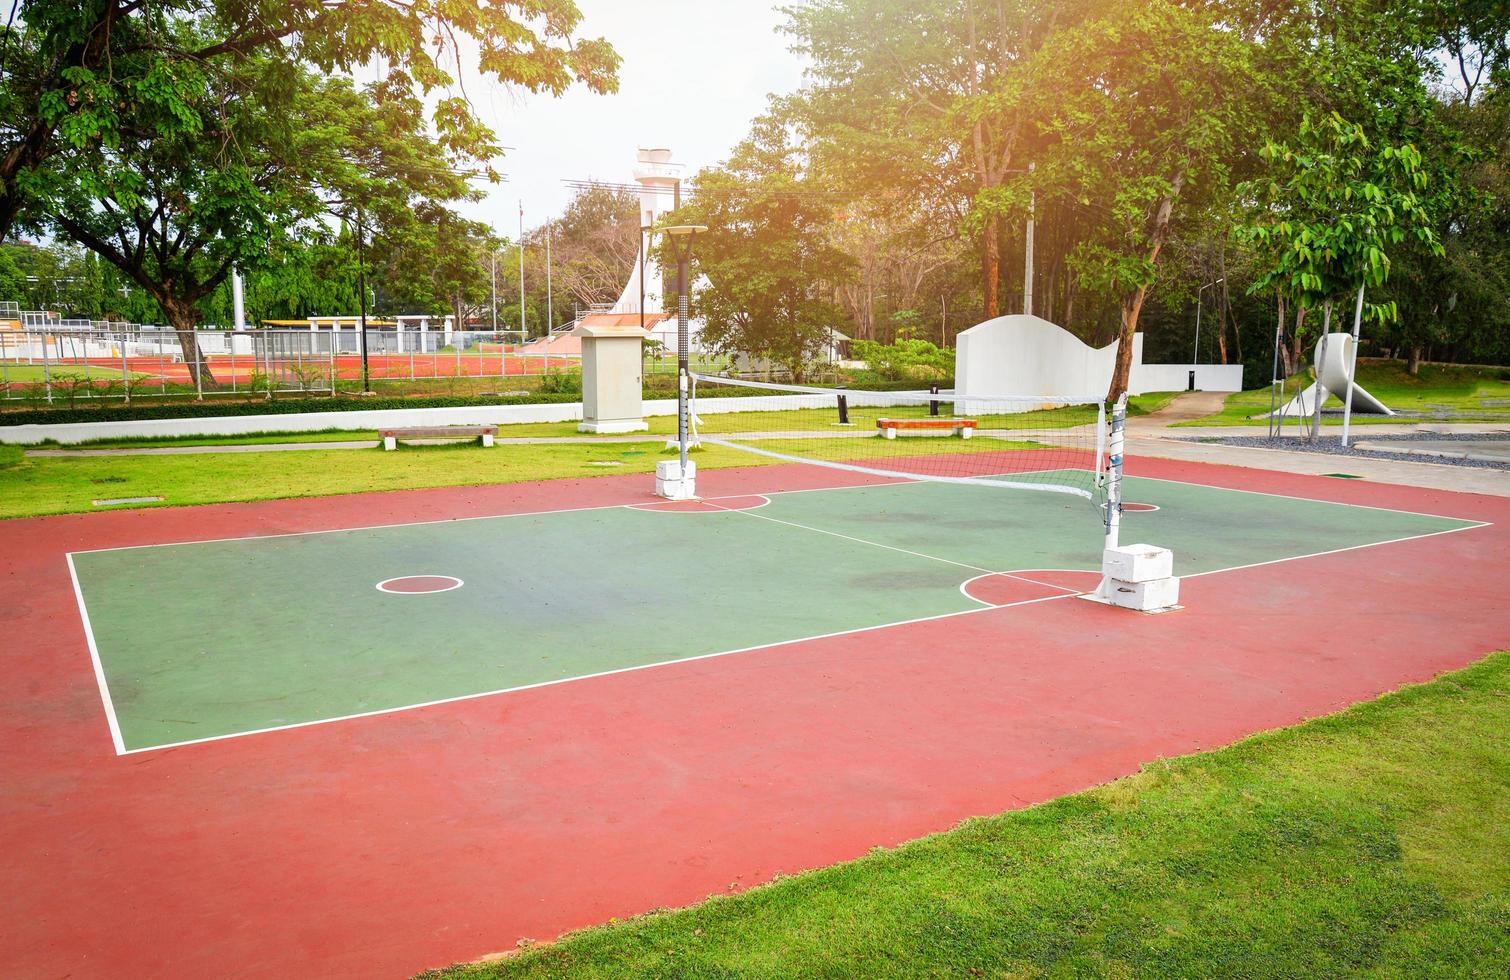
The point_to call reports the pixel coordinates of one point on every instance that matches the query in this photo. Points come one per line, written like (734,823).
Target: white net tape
(1018,442)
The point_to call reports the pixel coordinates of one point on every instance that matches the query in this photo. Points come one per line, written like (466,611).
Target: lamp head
(684,229)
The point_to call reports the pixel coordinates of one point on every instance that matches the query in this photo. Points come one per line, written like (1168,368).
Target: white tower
(657,177)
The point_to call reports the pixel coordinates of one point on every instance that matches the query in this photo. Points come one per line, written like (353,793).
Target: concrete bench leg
(487,439)
(964,432)
(390,443)
(891,433)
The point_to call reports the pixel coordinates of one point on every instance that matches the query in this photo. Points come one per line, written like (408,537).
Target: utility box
(612,387)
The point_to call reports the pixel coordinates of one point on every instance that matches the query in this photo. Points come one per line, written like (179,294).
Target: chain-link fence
(67,361)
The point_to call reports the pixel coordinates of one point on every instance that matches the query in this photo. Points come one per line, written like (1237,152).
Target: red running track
(348,366)
(380,846)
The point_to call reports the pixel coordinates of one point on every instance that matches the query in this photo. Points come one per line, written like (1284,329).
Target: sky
(694,73)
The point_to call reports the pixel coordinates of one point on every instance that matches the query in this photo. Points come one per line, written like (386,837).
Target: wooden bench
(960,427)
(392,435)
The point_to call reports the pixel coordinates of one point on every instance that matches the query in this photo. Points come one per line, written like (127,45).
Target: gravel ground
(1331,443)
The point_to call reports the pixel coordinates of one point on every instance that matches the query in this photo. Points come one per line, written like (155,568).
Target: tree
(1331,209)
(71,69)
(901,96)
(768,263)
(1144,118)
(594,246)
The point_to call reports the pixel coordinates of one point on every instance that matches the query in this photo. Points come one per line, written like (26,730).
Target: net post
(933,406)
(1116,445)
(1116,448)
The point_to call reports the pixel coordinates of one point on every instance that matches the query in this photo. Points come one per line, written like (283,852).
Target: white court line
(964,587)
(1287,496)
(99,668)
(456,583)
(115,731)
(1338,551)
(669,506)
(579,677)
(121,750)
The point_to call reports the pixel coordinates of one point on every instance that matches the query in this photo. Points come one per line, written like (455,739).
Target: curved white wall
(1027,355)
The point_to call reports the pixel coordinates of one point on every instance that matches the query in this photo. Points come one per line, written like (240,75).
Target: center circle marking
(419,584)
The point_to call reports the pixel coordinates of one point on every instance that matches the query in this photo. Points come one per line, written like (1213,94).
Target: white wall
(1176,377)
(1027,355)
(75,432)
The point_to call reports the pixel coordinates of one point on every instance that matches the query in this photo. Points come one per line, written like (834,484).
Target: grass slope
(1372,843)
(1437,387)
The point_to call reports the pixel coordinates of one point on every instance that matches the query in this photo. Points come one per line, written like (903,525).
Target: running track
(384,845)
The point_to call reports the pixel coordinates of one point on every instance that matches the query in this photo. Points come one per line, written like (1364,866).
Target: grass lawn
(1373,842)
(28,373)
(1437,388)
(37,486)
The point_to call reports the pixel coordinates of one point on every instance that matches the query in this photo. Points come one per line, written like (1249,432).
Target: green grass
(1369,843)
(1462,389)
(38,486)
(36,372)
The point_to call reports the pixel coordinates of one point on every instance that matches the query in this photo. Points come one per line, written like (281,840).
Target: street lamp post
(683,251)
(1195,353)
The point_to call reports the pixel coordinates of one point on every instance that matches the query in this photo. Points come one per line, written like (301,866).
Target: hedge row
(291,406)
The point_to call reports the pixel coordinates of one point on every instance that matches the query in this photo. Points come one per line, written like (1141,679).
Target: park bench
(393,434)
(961,427)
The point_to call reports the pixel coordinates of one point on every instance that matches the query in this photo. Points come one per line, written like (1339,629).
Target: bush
(916,360)
(561,383)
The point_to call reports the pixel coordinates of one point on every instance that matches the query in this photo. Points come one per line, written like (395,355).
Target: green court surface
(213,639)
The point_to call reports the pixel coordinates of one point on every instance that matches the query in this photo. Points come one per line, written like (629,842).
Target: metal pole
(683,257)
(1320,394)
(1195,351)
(550,317)
(238,300)
(1276,385)
(1116,447)
(46,368)
(523,336)
(1352,368)
(361,302)
(126,371)
(1027,275)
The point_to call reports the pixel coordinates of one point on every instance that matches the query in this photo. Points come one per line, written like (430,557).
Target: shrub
(917,360)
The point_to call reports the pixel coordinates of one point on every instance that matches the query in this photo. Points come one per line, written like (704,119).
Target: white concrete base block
(672,483)
(1138,577)
(1137,563)
(390,443)
(487,440)
(614,426)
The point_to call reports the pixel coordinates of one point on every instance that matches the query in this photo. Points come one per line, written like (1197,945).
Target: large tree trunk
(1132,303)
(1413,361)
(1297,344)
(1131,306)
(184,317)
(990,267)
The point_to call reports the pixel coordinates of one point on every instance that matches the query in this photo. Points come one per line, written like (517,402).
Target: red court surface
(383,845)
